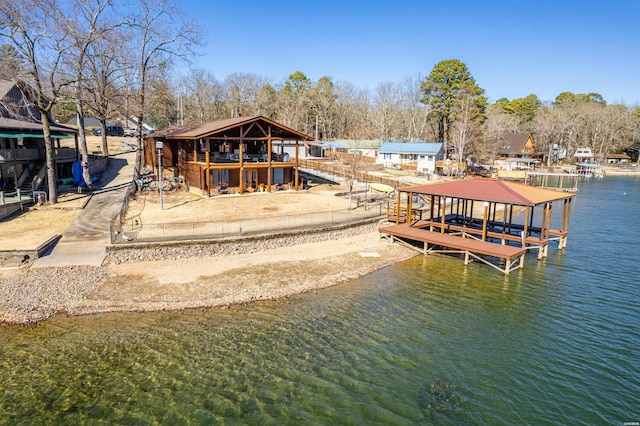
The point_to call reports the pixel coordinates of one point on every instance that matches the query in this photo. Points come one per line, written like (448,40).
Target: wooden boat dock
(441,218)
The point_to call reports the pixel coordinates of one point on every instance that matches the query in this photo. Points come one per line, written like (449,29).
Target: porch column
(443,213)
(398,209)
(525,231)
(484,220)
(269,170)
(297,176)
(241,167)
(207,179)
(409,208)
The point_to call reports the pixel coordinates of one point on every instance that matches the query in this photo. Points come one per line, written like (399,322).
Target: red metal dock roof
(492,190)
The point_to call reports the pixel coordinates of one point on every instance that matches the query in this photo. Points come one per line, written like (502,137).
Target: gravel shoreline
(129,282)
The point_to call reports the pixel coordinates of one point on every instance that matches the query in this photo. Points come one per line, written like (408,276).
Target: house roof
(29,126)
(618,156)
(5,87)
(88,122)
(492,190)
(514,143)
(356,143)
(410,148)
(583,152)
(252,127)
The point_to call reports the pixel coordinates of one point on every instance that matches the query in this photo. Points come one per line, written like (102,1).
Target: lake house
(231,155)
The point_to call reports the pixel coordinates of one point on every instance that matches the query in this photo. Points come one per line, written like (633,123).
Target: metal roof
(492,190)
(410,148)
(10,123)
(357,143)
(253,127)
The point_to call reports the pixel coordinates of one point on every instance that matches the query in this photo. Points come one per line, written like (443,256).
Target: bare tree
(203,94)
(32,28)
(351,167)
(159,37)
(386,109)
(465,120)
(104,82)
(415,114)
(86,26)
(242,91)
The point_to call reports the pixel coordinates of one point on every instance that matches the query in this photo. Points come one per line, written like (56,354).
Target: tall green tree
(442,93)
(569,99)
(295,101)
(11,62)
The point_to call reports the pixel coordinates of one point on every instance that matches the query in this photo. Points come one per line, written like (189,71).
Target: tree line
(111,59)
(445,106)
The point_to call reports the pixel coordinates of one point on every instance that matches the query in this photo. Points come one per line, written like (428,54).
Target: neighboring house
(618,159)
(132,122)
(364,147)
(517,145)
(88,122)
(419,156)
(22,148)
(583,155)
(230,155)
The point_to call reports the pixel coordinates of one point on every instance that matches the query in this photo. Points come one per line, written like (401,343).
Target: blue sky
(512,48)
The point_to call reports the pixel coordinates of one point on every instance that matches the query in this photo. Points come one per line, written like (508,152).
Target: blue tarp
(78,179)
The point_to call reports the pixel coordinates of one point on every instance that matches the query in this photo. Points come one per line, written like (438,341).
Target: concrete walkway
(85,240)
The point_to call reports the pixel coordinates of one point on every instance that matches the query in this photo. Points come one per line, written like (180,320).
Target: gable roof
(88,122)
(252,127)
(514,143)
(19,128)
(5,87)
(410,148)
(493,190)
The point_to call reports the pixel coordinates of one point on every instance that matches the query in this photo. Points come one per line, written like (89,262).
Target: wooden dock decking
(459,244)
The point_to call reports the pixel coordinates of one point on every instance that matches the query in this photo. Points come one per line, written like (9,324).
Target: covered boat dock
(490,220)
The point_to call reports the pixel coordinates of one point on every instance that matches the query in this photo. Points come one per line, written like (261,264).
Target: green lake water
(426,341)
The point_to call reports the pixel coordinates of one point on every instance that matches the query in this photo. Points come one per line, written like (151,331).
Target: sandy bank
(29,296)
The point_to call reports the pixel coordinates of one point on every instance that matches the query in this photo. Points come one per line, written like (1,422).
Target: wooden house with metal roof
(490,220)
(230,155)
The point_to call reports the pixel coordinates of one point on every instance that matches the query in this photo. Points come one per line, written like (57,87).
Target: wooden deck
(470,247)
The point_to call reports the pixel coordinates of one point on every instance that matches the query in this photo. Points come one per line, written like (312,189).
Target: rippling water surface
(422,342)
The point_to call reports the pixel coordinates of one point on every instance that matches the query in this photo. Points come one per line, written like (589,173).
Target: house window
(430,158)
(422,157)
(387,156)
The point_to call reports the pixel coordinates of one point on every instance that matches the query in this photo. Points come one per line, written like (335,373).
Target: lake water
(427,341)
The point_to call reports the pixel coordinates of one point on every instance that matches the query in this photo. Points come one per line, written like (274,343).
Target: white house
(583,155)
(422,155)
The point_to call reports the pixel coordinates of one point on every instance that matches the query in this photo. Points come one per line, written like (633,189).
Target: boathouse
(230,155)
(490,220)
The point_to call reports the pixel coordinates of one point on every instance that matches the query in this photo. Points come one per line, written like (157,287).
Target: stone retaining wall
(184,249)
